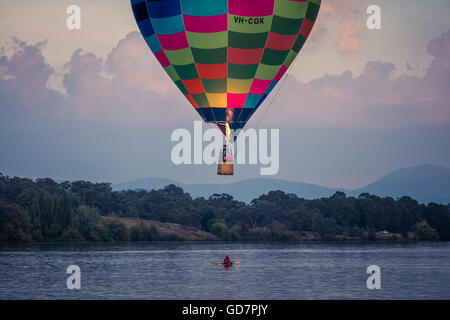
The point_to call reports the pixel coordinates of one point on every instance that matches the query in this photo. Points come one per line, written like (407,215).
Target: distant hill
(245,190)
(145,184)
(425,183)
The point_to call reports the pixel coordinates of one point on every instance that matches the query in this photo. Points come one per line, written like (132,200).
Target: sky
(94,103)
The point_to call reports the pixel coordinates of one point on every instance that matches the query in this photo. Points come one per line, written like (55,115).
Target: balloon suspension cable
(276,93)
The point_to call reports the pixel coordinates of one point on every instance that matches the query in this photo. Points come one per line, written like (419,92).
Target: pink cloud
(375,99)
(339,22)
(27,73)
(130,89)
(350,35)
(133,65)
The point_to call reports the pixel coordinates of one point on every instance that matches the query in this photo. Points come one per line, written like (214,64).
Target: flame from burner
(227,132)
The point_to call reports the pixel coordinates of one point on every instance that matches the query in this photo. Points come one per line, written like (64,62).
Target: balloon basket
(225,169)
(225,166)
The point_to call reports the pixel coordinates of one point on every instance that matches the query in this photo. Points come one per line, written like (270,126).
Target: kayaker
(226,261)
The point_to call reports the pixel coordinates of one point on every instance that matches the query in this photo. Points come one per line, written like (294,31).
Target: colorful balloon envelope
(225,56)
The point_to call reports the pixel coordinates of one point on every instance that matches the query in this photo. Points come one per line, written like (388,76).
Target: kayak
(226,265)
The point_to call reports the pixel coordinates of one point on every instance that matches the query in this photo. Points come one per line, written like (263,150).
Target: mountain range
(425,183)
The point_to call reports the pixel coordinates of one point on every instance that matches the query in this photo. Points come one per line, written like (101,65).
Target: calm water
(186,271)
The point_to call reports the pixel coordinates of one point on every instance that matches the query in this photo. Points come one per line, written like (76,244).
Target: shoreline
(219,242)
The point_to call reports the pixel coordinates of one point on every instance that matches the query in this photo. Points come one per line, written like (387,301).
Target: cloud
(133,66)
(350,36)
(129,88)
(25,75)
(375,99)
(114,117)
(339,22)
(439,48)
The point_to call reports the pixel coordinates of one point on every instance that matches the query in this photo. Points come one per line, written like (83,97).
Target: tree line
(44,210)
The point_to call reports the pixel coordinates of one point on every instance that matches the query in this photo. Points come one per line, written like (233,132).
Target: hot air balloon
(225,56)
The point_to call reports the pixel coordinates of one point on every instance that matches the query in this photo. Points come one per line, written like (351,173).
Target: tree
(116,230)
(87,222)
(371,236)
(339,195)
(423,231)
(143,233)
(70,234)
(15,224)
(219,229)
(327,227)
(43,210)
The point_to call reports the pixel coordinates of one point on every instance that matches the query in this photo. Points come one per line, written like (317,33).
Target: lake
(178,270)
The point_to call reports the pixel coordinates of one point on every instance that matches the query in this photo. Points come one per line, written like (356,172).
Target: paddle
(219,263)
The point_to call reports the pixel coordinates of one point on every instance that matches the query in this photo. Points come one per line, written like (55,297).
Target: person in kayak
(227,261)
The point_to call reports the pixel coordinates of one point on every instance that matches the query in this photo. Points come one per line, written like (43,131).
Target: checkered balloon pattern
(226,56)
